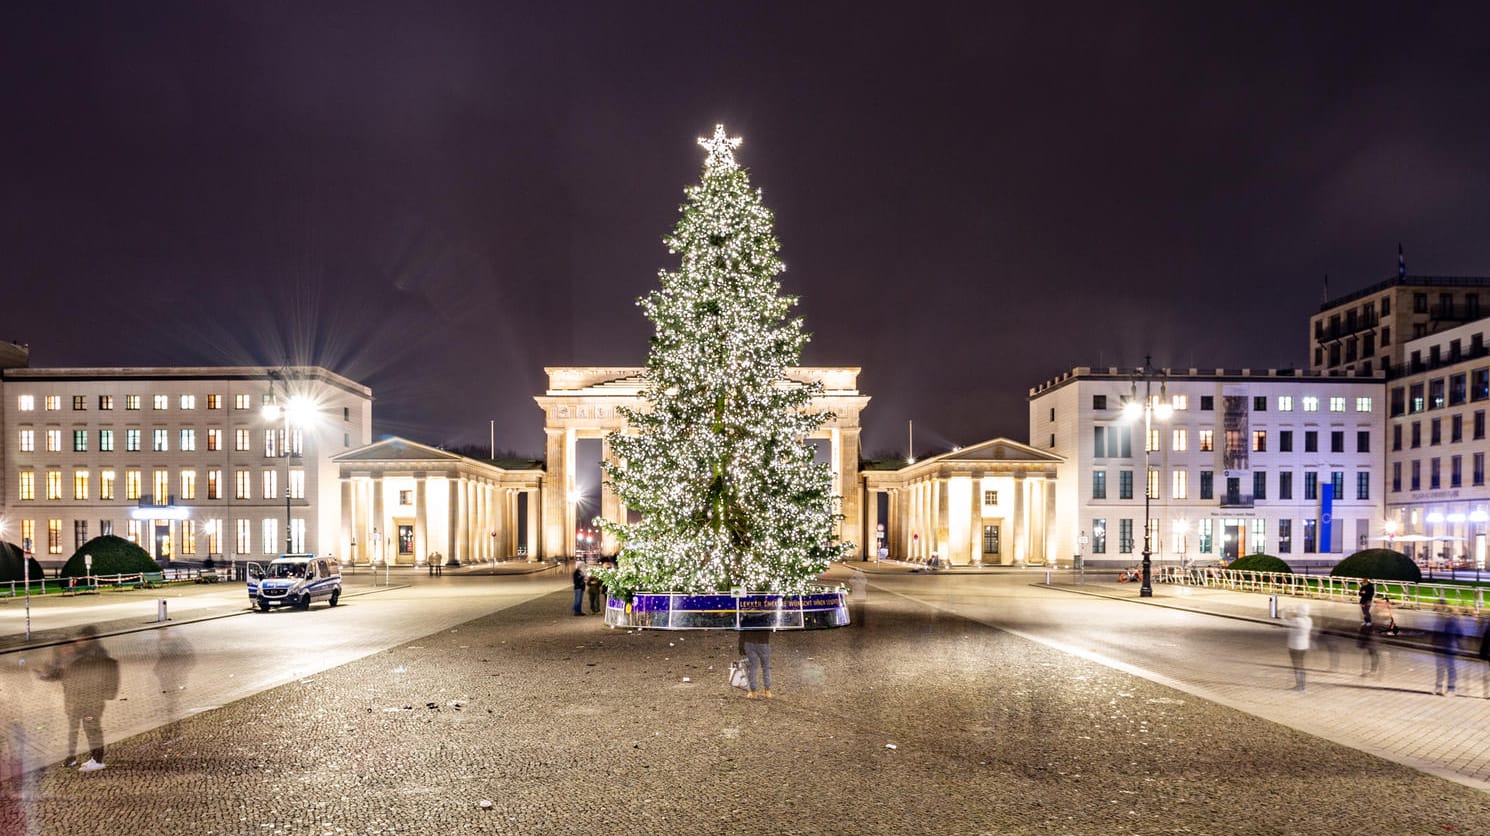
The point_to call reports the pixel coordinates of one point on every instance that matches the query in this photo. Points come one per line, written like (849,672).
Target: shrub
(111,556)
(1378,564)
(11,568)
(1260,563)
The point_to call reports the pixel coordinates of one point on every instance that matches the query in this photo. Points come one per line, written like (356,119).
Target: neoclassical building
(989,504)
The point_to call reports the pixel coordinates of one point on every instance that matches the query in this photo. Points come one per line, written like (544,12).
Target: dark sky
(440,199)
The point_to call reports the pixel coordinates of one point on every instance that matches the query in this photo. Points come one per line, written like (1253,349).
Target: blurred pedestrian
(858,585)
(593,585)
(1368,593)
(1445,643)
(173,663)
(1484,655)
(89,677)
(1370,645)
(579,587)
(1300,628)
(755,646)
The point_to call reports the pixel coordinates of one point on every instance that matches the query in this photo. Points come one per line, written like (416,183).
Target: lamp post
(1150,410)
(296,411)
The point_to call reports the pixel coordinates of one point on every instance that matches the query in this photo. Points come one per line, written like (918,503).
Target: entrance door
(405,544)
(162,541)
(991,543)
(1232,534)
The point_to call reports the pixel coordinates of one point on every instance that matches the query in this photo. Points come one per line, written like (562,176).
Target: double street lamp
(1150,408)
(295,413)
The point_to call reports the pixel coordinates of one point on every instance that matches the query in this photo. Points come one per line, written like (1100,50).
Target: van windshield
(287,570)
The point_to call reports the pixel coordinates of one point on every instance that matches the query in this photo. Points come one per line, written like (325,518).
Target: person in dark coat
(1445,642)
(594,587)
(1368,594)
(755,646)
(579,588)
(84,669)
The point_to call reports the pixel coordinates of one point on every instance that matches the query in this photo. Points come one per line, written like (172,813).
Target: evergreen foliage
(1260,563)
(111,556)
(11,568)
(1378,564)
(717,462)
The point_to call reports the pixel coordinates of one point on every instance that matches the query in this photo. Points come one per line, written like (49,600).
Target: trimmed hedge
(111,556)
(1378,564)
(1260,563)
(11,568)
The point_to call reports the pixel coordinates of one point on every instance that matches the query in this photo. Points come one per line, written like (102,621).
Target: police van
(294,580)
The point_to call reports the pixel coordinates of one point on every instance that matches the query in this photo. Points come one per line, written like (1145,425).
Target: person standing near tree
(89,677)
(755,646)
(579,587)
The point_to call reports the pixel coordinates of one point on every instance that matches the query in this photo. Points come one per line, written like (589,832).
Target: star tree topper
(721,148)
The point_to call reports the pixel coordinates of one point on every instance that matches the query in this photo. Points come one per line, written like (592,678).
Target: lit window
(54,536)
(1285,403)
(1153,440)
(105,402)
(214,401)
(80,441)
(1180,401)
(1362,404)
(214,440)
(54,441)
(54,403)
(244,481)
(271,484)
(161,402)
(26,403)
(990,497)
(54,484)
(28,441)
(271,443)
(241,440)
(1180,441)
(161,482)
(1207,440)
(1179,485)
(214,484)
(133,486)
(188,401)
(160,440)
(132,441)
(245,542)
(132,402)
(214,536)
(270,536)
(106,484)
(106,441)
(188,484)
(297,484)
(1259,441)
(80,484)
(27,490)
(1311,403)
(1337,403)
(188,440)
(188,537)
(79,403)
(1153,485)
(242,402)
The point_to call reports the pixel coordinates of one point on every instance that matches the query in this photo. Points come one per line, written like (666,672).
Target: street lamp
(1150,409)
(297,412)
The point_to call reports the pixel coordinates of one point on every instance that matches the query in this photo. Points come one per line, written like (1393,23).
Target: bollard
(160,610)
(1047,577)
(1272,606)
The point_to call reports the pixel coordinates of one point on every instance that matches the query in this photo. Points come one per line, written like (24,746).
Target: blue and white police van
(294,580)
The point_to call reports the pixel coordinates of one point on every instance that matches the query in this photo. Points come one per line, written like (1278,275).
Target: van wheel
(263,605)
(304,601)
(335,596)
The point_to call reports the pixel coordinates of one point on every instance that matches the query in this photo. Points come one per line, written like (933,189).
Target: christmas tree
(717,464)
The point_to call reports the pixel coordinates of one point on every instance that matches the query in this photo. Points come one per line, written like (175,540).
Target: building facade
(1268,461)
(182,461)
(1365,332)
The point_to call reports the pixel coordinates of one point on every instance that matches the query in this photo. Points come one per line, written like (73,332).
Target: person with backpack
(89,677)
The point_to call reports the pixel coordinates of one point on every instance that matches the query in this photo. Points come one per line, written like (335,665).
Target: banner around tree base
(819,610)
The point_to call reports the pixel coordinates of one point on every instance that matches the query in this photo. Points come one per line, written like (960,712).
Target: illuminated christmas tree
(717,463)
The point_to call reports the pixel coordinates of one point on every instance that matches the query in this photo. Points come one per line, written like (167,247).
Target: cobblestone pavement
(565,726)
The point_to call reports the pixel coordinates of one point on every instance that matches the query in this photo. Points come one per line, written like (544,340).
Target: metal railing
(1466,598)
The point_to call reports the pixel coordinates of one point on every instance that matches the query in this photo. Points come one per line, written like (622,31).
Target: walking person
(89,677)
(755,646)
(1368,594)
(1370,645)
(1445,642)
(1300,628)
(579,587)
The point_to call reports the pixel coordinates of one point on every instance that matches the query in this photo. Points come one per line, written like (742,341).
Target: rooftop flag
(1401,263)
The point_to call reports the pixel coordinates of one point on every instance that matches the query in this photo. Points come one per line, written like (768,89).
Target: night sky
(440,199)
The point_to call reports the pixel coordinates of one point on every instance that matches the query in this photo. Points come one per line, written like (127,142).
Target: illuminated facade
(1280,462)
(180,460)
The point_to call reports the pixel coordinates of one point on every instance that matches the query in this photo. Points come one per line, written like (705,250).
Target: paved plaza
(963,704)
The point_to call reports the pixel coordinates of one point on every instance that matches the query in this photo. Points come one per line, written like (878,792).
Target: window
(1386,335)
(241,440)
(1416,402)
(1311,534)
(26,403)
(214,484)
(188,537)
(1259,441)
(188,441)
(271,484)
(297,484)
(161,402)
(1207,485)
(1397,437)
(244,481)
(1337,403)
(27,489)
(160,486)
(79,533)
(1099,535)
(214,536)
(1153,484)
(106,484)
(105,402)
(1435,394)
(406,498)
(1420,303)
(1434,474)
(1151,444)
(54,536)
(242,401)
(1399,401)
(1206,536)
(214,401)
(1435,432)
(990,497)
(1311,403)
(188,484)
(1337,484)
(28,441)
(80,484)
(1233,491)
(1099,402)
(1125,484)
(1311,441)
(1363,441)
(1125,439)
(1259,484)
(132,441)
(271,443)
(1456,429)
(1179,402)
(346,411)
(106,441)
(1479,384)
(1207,440)
(1285,536)
(214,440)
(1311,486)
(1456,471)
(1179,485)
(1258,542)
(1479,424)
(1207,403)
(1285,441)
(54,484)
(1259,403)
(1099,442)
(245,539)
(133,484)
(1417,434)
(1179,441)
(1337,441)
(54,403)
(1285,403)
(188,402)
(1458,389)
(1285,484)
(79,403)
(1416,480)
(1099,484)
(1362,404)
(270,535)
(54,441)
(1125,536)
(160,440)
(1396,477)
(1477,472)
